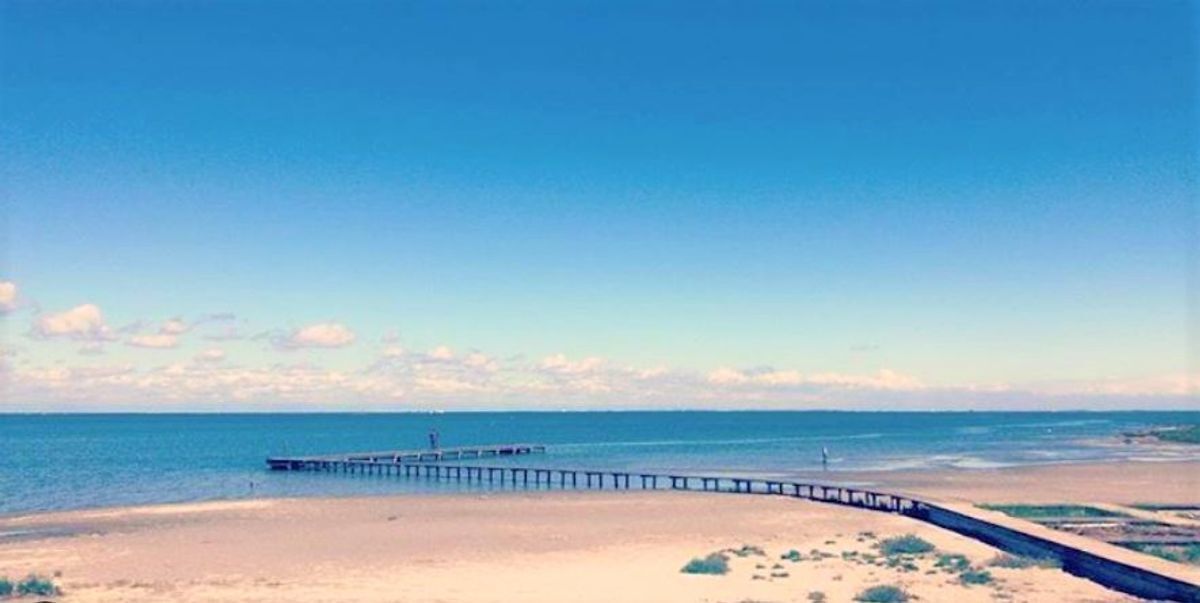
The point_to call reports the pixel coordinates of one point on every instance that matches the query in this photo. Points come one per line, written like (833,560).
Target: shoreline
(946,484)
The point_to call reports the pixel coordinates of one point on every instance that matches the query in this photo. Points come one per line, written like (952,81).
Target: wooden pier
(1110,566)
(432,464)
(300,463)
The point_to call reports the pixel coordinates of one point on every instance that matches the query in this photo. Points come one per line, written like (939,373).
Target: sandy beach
(535,546)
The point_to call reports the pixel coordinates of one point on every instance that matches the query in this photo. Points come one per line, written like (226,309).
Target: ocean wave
(970,462)
(1073,423)
(651,443)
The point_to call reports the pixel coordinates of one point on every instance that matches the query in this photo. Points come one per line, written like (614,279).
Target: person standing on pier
(824,457)
(433,439)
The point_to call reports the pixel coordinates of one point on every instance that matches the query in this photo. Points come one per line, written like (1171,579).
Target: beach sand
(528,547)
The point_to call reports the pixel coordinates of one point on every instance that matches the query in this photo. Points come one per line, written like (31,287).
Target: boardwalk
(1111,566)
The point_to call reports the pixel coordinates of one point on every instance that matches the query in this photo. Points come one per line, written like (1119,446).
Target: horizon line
(595,410)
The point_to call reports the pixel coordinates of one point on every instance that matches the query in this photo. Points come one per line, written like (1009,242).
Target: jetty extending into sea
(1112,566)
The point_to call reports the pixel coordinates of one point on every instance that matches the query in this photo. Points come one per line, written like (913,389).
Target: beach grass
(905,545)
(974,577)
(1024,562)
(793,555)
(883,594)
(1050,511)
(31,585)
(953,563)
(748,550)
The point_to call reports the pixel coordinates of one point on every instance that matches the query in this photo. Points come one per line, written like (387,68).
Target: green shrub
(36,585)
(970,577)
(6,587)
(1023,562)
(715,564)
(953,563)
(905,545)
(883,594)
(793,555)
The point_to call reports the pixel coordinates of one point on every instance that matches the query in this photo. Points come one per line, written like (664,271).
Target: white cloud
(8,297)
(442,378)
(779,378)
(770,378)
(91,348)
(166,337)
(1178,384)
(884,379)
(156,341)
(84,322)
(442,353)
(727,376)
(174,326)
(210,356)
(320,335)
(481,361)
(559,363)
(471,382)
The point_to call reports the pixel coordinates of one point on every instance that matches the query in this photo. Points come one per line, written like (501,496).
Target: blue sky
(973,196)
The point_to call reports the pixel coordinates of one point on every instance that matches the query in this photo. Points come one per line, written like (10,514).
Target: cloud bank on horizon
(196,373)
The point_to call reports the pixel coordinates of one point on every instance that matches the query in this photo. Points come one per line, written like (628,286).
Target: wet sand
(1121,483)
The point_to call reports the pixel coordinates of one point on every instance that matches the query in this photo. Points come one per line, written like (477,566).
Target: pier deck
(405,456)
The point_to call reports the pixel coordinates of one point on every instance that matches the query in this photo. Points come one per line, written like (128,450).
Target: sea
(76,461)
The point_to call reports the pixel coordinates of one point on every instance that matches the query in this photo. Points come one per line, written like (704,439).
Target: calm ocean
(77,461)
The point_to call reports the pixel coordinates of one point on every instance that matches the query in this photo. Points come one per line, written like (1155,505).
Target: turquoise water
(76,461)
